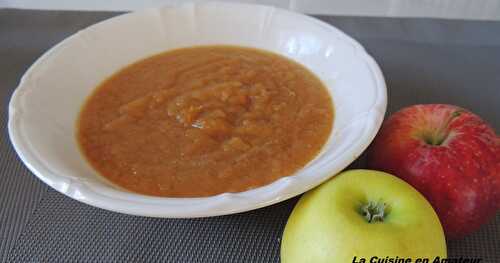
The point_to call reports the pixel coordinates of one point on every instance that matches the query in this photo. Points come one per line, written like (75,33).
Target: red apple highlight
(450,155)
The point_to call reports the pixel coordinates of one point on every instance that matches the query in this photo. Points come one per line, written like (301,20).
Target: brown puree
(205,120)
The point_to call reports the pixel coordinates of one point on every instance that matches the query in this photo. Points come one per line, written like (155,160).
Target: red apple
(450,155)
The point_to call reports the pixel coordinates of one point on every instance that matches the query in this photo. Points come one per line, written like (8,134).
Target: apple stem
(441,134)
(374,212)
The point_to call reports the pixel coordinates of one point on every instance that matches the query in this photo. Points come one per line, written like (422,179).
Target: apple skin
(326,224)
(448,154)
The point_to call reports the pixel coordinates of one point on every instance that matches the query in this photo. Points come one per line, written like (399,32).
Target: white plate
(44,108)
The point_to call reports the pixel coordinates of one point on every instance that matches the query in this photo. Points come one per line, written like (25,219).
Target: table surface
(423,60)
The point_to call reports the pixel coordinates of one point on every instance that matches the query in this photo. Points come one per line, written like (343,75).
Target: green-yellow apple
(362,214)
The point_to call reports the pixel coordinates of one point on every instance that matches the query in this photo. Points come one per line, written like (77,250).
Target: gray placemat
(424,61)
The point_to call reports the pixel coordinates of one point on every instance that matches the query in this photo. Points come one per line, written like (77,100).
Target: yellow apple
(362,214)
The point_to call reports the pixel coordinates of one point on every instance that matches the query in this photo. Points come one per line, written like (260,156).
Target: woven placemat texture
(423,60)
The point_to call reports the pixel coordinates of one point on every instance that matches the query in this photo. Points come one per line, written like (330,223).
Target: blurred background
(450,9)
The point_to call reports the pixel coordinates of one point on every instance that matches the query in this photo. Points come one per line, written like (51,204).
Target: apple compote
(206,120)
